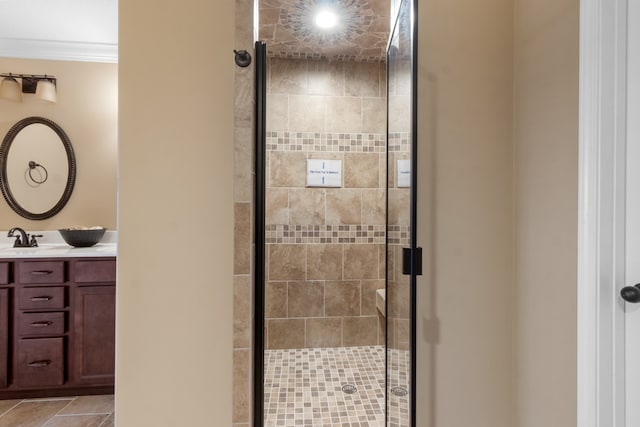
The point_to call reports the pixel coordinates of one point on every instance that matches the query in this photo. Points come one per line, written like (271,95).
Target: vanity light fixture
(10,89)
(43,86)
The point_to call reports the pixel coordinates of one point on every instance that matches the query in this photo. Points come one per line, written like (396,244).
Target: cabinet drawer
(40,272)
(39,324)
(41,298)
(40,362)
(91,271)
(4,273)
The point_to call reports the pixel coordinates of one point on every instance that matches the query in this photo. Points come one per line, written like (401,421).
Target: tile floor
(83,411)
(303,387)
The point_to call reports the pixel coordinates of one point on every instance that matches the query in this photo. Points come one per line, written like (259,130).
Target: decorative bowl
(82,238)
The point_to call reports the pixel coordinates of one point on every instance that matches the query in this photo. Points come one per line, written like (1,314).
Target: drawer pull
(39,299)
(40,363)
(42,324)
(40,272)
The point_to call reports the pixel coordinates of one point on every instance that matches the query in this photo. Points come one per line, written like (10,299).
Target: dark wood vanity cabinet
(94,322)
(5,312)
(57,326)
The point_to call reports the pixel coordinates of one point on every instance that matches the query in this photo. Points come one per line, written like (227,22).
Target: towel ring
(34,166)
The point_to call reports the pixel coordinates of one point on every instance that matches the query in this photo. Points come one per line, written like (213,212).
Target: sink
(35,249)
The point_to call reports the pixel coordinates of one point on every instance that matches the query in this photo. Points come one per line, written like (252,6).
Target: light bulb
(326,19)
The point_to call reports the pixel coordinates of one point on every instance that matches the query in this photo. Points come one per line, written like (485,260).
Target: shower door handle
(412,257)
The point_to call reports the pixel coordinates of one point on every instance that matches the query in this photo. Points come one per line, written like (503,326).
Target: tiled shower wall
(325,246)
(243,196)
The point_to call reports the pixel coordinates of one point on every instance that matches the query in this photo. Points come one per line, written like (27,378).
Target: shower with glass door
(335,242)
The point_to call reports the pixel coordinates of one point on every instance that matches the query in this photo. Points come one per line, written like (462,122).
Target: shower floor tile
(304,387)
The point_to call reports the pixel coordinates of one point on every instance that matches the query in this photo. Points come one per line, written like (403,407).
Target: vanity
(57,302)
(57,320)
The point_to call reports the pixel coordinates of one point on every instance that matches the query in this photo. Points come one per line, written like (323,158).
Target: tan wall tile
(287,76)
(243,165)
(361,170)
(368,296)
(400,121)
(287,262)
(277,206)
(344,114)
(305,299)
(382,265)
(344,206)
(374,205)
(361,261)
(324,262)
(326,332)
(382,327)
(242,312)
(399,206)
(374,115)
(383,79)
(286,333)
(360,331)
(277,112)
(307,206)
(242,238)
(342,298)
(401,337)
(287,169)
(398,299)
(275,300)
(362,79)
(244,97)
(307,113)
(325,78)
(391,172)
(326,156)
(241,392)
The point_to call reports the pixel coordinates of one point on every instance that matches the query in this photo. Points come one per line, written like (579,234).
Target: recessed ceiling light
(326,19)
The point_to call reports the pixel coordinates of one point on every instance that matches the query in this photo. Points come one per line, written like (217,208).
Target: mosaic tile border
(336,142)
(398,234)
(399,142)
(326,142)
(324,57)
(305,234)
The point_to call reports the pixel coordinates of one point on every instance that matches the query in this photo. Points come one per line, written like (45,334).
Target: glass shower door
(403,258)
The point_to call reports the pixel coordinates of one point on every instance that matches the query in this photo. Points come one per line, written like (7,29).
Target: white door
(632,311)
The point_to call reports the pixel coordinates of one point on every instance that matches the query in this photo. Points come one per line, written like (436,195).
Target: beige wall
(87,110)
(546,165)
(465,213)
(175,264)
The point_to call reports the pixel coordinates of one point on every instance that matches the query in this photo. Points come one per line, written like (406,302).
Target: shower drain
(399,391)
(349,388)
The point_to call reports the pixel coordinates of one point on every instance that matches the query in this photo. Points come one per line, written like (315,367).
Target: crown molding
(58,50)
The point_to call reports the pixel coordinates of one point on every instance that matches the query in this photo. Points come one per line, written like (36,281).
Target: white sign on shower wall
(404,173)
(324,173)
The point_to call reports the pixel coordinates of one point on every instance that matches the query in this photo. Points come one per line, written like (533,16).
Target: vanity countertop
(51,245)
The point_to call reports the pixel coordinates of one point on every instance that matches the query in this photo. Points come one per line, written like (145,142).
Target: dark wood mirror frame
(4,154)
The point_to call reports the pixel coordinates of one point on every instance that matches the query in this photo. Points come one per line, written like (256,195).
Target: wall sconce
(44,87)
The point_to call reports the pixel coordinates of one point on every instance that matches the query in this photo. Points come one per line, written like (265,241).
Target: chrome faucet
(22,240)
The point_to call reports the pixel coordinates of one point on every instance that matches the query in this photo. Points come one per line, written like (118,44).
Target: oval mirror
(38,168)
